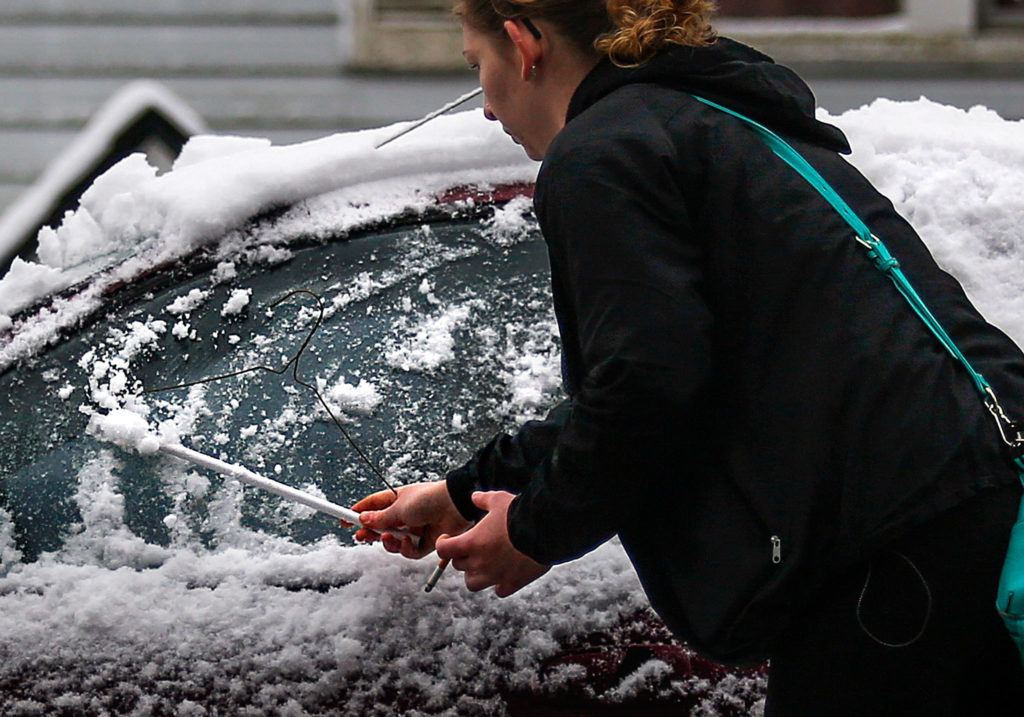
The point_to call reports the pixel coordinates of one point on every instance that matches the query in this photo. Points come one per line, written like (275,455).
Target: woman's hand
(425,509)
(485,554)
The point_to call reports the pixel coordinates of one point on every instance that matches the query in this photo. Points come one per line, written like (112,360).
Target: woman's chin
(532,153)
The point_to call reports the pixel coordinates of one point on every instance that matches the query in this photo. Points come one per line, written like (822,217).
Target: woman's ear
(528,48)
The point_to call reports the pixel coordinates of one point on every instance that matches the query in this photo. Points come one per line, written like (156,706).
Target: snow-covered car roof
(132,220)
(226,603)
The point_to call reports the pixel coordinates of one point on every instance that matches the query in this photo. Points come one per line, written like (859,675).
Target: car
(339,319)
(135,583)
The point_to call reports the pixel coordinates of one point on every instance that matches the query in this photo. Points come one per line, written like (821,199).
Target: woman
(796,467)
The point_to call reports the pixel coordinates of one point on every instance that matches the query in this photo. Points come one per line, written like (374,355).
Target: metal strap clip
(1011,432)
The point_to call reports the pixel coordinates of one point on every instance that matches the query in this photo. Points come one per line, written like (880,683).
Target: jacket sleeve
(623,246)
(507,461)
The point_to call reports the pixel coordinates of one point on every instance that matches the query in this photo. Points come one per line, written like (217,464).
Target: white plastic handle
(255,479)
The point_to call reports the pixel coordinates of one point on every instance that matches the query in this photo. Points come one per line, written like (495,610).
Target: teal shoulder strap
(888,265)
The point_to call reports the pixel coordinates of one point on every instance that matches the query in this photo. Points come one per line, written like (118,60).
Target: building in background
(299,69)
(418,34)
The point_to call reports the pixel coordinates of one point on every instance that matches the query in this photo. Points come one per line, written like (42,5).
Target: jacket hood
(729,73)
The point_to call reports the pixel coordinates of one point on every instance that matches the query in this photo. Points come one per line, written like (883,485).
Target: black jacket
(753,405)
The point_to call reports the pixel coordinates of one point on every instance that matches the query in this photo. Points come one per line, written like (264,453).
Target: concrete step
(161,51)
(323,103)
(165,12)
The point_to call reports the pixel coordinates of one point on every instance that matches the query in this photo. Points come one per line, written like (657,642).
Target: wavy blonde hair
(629,32)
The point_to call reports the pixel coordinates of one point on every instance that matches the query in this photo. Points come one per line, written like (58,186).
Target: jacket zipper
(776,549)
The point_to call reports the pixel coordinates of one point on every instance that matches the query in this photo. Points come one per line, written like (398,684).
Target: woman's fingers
(375,501)
(364,535)
(391,543)
(415,551)
(380,520)
(475,582)
(454,548)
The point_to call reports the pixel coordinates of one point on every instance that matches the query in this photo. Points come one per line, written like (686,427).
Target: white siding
(257,67)
(167,50)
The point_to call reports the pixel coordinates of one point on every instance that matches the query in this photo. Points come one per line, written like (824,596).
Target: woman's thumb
(481,499)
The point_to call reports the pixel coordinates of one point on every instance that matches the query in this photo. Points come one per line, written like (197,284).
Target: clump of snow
(429,343)
(26,282)
(511,223)
(182,331)
(126,429)
(427,289)
(5,323)
(80,236)
(55,248)
(102,538)
(289,511)
(65,391)
(238,300)
(188,303)
(358,399)
(652,676)
(956,176)
(204,147)
(88,149)
(225,271)
(534,373)
(9,553)
(139,336)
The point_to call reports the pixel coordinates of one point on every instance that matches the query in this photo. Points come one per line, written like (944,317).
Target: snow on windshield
(245,618)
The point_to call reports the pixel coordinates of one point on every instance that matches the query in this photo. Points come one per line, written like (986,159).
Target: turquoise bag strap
(879,254)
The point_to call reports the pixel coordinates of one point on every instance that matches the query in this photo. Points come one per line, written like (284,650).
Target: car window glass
(435,337)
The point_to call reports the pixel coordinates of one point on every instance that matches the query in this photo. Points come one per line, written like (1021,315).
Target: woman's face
(507,96)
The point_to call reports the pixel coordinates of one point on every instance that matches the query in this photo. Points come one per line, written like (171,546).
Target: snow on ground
(251,623)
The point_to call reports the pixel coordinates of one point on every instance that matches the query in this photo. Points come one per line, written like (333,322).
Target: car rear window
(435,336)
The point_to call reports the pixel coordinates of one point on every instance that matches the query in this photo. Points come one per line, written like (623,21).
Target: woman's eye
(474,67)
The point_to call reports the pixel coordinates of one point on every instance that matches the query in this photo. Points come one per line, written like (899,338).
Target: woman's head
(532,54)
(628,32)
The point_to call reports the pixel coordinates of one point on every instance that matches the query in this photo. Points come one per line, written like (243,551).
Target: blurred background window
(807,8)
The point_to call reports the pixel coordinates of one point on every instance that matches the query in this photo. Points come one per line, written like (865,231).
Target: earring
(533,71)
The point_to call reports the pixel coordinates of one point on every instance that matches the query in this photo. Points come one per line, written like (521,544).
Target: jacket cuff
(461,484)
(519,538)
(522,538)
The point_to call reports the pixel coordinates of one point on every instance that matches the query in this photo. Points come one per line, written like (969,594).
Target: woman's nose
(488,113)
